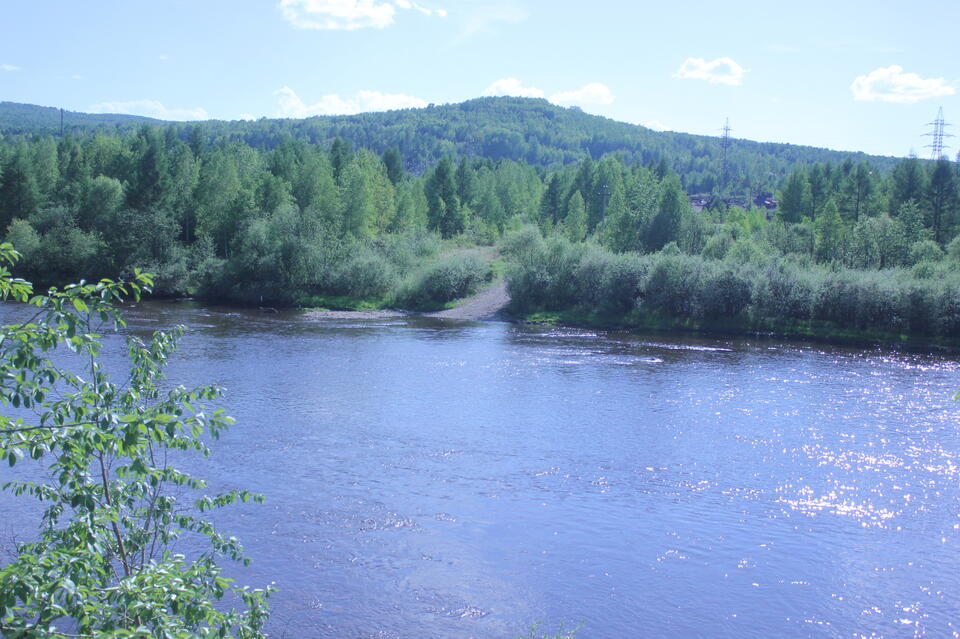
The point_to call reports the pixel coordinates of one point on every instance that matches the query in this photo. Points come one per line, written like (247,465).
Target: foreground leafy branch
(102,564)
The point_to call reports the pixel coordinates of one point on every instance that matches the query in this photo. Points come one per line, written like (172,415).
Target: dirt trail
(488,304)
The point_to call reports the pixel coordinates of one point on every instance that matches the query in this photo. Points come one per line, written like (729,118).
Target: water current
(432,478)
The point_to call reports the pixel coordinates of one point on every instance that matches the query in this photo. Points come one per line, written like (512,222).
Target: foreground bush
(103,563)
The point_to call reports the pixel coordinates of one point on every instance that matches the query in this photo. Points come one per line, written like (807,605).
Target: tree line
(527,130)
(218,218)
(849,251)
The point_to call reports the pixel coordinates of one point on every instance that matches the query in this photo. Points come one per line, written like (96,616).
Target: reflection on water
(440,479)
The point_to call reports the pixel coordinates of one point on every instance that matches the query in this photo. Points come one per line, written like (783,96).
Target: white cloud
(480,17)
(656,125)
(719,71)
(891,84)
(348,15)
(407,4)
(149,108)
(593,93)
(291,106)
(76,76)
(512,86)
(9,67)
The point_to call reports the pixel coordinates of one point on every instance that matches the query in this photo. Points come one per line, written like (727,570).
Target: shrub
(672,284)
(622,283)
(724,293)
(366,275)
(520,244)
(925,251)
(717,246)
(104,561)
(444,281)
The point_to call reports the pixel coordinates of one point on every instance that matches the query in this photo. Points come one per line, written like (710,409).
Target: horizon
(863,80)
(347,115)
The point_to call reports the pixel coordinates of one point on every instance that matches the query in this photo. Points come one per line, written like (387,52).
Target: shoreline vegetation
(819,245)
(751,293)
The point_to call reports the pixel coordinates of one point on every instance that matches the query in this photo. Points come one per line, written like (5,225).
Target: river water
(428,478)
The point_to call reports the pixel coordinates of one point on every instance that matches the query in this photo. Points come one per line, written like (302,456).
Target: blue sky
(841,74)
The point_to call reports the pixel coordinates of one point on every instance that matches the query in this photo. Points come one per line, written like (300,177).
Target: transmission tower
(937,133)
(724,145)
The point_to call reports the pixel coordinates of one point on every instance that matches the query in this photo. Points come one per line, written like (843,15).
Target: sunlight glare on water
(438,479)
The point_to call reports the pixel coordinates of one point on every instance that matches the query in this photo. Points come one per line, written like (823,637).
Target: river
(429,478)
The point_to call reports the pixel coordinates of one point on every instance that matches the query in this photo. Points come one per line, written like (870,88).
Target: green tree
(857,192)
(46,167)
(103,563)
(339,157)
(911,217)
(315,186)
(908,182)
(179,194)
(551,203)
(795,198)
(466,179)
(575,223)
(819,179)
(19,194)
(443,205)
(218,192)
(665,226)
(620,230)
(393,162)
(828,232)
(606,179)
(368,196)
(102,198)
(146,184)
(942,198)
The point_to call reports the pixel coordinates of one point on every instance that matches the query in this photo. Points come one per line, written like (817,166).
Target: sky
(844,74)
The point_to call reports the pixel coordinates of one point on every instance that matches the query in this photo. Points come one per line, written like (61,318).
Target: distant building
(761,200)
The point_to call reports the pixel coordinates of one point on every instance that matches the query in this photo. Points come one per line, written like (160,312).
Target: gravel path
(488,304)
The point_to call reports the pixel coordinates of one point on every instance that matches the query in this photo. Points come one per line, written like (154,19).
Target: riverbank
(809,331)
(487,305)
(493,304)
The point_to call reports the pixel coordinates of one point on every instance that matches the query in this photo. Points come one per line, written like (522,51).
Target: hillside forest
(854,246)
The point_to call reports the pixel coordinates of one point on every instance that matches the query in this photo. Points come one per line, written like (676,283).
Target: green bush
(443,281)
(521,243)
(622,283)
(725,292)
(750,286)
(112,502)
(717,246)
(925,251)
(365,275)
(672,285)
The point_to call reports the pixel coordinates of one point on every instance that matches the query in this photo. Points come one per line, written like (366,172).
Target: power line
(724,145)
(937,133)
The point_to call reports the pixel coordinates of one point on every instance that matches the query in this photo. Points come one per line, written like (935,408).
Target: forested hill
(16,118)
(522,129)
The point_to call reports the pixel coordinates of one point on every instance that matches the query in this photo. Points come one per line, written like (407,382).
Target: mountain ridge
(522,129)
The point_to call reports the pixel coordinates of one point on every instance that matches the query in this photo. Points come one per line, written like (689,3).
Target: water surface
(428,478)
